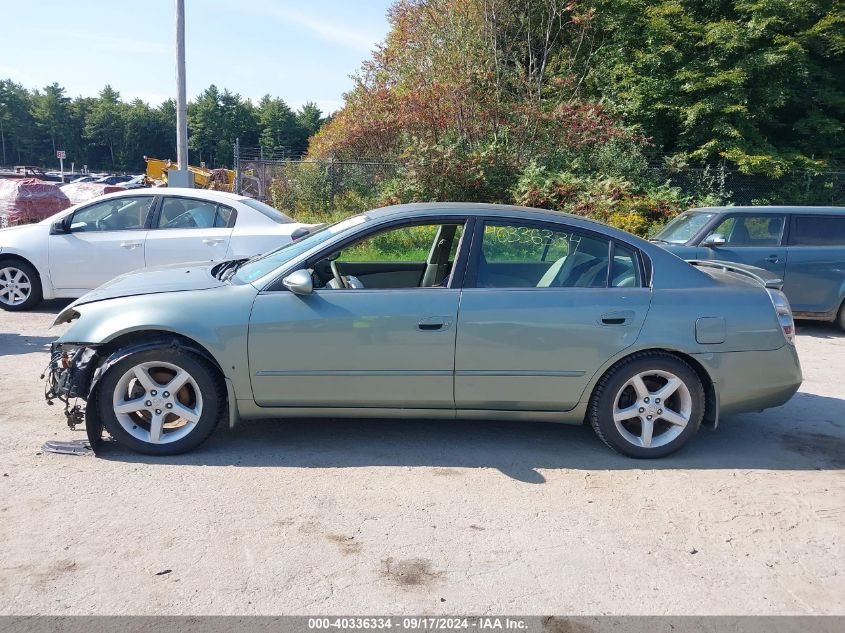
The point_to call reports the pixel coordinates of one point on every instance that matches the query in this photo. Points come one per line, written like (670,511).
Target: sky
(298,50)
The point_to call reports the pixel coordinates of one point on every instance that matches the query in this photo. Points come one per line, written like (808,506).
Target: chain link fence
(327,186)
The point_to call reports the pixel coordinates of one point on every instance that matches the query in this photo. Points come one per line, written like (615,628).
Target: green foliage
(757,82)
(105,132)
(640,207)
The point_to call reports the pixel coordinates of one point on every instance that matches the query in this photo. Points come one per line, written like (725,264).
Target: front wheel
(648,405)
(160,402)
(20,286)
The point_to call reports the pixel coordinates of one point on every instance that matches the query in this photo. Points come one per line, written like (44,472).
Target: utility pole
(182,177)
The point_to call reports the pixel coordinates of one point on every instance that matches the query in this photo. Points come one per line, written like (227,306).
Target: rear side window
(626,268)
(186,213)
(528,256)
(818,230)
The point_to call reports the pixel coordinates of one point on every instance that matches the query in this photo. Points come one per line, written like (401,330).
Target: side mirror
(299,233)
(713,240)
(60,227)
(299,282)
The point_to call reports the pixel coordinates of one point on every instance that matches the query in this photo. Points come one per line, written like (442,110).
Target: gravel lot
(343,517)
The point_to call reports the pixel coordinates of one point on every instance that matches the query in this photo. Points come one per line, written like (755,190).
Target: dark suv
(805,246)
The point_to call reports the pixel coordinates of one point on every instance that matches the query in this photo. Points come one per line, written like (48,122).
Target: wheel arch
(711,394)
(128,343)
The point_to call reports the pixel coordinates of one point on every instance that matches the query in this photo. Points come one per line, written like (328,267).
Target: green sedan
(456,311)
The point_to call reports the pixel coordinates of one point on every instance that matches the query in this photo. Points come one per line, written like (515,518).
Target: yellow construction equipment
(204,178)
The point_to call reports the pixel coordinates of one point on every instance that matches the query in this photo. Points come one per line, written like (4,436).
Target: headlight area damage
(69,377)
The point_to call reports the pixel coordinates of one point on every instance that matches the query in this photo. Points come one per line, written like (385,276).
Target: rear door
(753,239)
(106,239)
(189,230)
(815,272)
(541,311)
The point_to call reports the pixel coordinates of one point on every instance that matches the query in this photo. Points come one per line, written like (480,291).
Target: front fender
(215,320)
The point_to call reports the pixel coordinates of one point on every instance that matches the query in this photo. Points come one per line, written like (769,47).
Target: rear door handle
(623,317)
(431,324)
(772,259)
(130,245)
(211,241)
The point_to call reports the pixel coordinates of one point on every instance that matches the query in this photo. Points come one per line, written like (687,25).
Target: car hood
(172,278)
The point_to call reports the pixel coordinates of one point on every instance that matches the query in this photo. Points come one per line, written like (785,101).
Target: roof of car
(203,194)
(507,211)
(771,209)
(475,208)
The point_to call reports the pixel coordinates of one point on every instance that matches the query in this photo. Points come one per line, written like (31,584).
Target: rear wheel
(840,320)
(160,402)
(648,405)
(20,285)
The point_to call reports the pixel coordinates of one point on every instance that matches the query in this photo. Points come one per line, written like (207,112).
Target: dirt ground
(368,517)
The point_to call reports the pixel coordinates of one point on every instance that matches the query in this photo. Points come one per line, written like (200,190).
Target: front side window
(751,230)
(186,213)
(818,230)
(684,227)
(528,256)
(117,214)
(409,256)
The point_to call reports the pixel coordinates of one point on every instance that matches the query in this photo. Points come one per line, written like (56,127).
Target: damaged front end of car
(68,378)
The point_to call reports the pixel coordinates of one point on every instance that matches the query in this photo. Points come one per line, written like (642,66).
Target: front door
(756,240)
(545,313)
(189,230)
(349,344)
(106,239)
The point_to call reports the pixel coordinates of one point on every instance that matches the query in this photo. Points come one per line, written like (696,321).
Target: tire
(20,285)
(840,319)
(138,384)
(631,391)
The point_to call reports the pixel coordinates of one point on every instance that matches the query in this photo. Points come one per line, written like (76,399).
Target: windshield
(266,209)
(260,266)
(684,227)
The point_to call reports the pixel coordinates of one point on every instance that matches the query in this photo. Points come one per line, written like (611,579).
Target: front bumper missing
(68,379)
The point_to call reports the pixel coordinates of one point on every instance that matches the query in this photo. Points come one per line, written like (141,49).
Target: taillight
(784,312)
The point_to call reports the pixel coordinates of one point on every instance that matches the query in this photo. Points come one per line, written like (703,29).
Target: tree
(760,83)
(467,93)
(309,120)
(277,125)
(51,112)
(105,123)
(17,126)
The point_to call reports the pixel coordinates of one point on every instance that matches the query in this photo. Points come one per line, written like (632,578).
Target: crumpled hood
(172,278)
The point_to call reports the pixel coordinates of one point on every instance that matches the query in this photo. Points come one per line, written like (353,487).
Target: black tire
(840,319)
(206,378)
(600,411)
(35,292)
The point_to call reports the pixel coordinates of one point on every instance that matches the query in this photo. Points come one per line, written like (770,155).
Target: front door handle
(772,259)
(623,317)
(432,324)
(130,245)
(211,241)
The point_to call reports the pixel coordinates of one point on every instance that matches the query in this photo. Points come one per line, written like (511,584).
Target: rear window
(266,209)
(818,230)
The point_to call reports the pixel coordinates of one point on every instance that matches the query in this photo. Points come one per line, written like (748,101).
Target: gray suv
(804,246)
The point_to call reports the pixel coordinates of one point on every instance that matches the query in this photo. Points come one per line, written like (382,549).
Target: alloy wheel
(15,286)
(157,402)
(652,408)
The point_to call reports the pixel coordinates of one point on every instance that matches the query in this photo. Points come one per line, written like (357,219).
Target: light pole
(182,177)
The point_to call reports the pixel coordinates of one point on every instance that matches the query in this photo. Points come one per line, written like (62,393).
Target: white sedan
(86,245)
